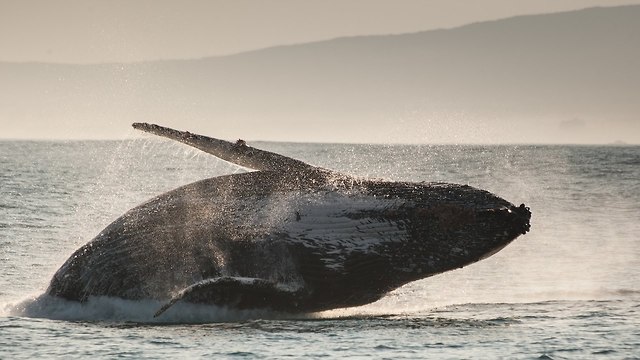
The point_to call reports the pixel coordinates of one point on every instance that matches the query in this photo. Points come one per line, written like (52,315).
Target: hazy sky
(85,31)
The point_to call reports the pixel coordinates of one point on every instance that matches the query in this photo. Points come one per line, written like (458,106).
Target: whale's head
(453,226)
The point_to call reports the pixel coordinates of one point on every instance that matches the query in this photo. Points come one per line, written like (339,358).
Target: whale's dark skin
(289,237)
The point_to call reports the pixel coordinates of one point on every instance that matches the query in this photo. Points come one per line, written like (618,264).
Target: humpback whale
(288,236)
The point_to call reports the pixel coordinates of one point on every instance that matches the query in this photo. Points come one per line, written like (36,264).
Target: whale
(285,236)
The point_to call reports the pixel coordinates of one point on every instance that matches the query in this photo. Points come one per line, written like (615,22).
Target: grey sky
(89,31)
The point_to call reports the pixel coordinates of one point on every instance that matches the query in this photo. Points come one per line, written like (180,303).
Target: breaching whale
(288,237)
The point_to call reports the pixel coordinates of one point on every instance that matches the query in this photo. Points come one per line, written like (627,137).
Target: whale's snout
(506,222)
(520,219)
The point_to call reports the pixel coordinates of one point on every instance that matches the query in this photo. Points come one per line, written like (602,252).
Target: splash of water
(112,309)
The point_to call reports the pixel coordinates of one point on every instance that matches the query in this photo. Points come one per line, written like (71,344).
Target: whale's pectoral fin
(239,293)
(238,153)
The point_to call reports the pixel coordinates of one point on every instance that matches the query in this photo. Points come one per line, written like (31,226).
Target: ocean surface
(568,289)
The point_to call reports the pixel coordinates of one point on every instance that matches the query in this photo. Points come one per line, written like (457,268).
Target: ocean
(568,289)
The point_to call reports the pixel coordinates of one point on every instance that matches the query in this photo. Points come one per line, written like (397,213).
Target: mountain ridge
(448,85)
(381,35)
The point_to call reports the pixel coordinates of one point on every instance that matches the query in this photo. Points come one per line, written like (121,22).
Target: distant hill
(565,77)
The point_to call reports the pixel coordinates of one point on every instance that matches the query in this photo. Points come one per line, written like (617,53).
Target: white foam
(119,310)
